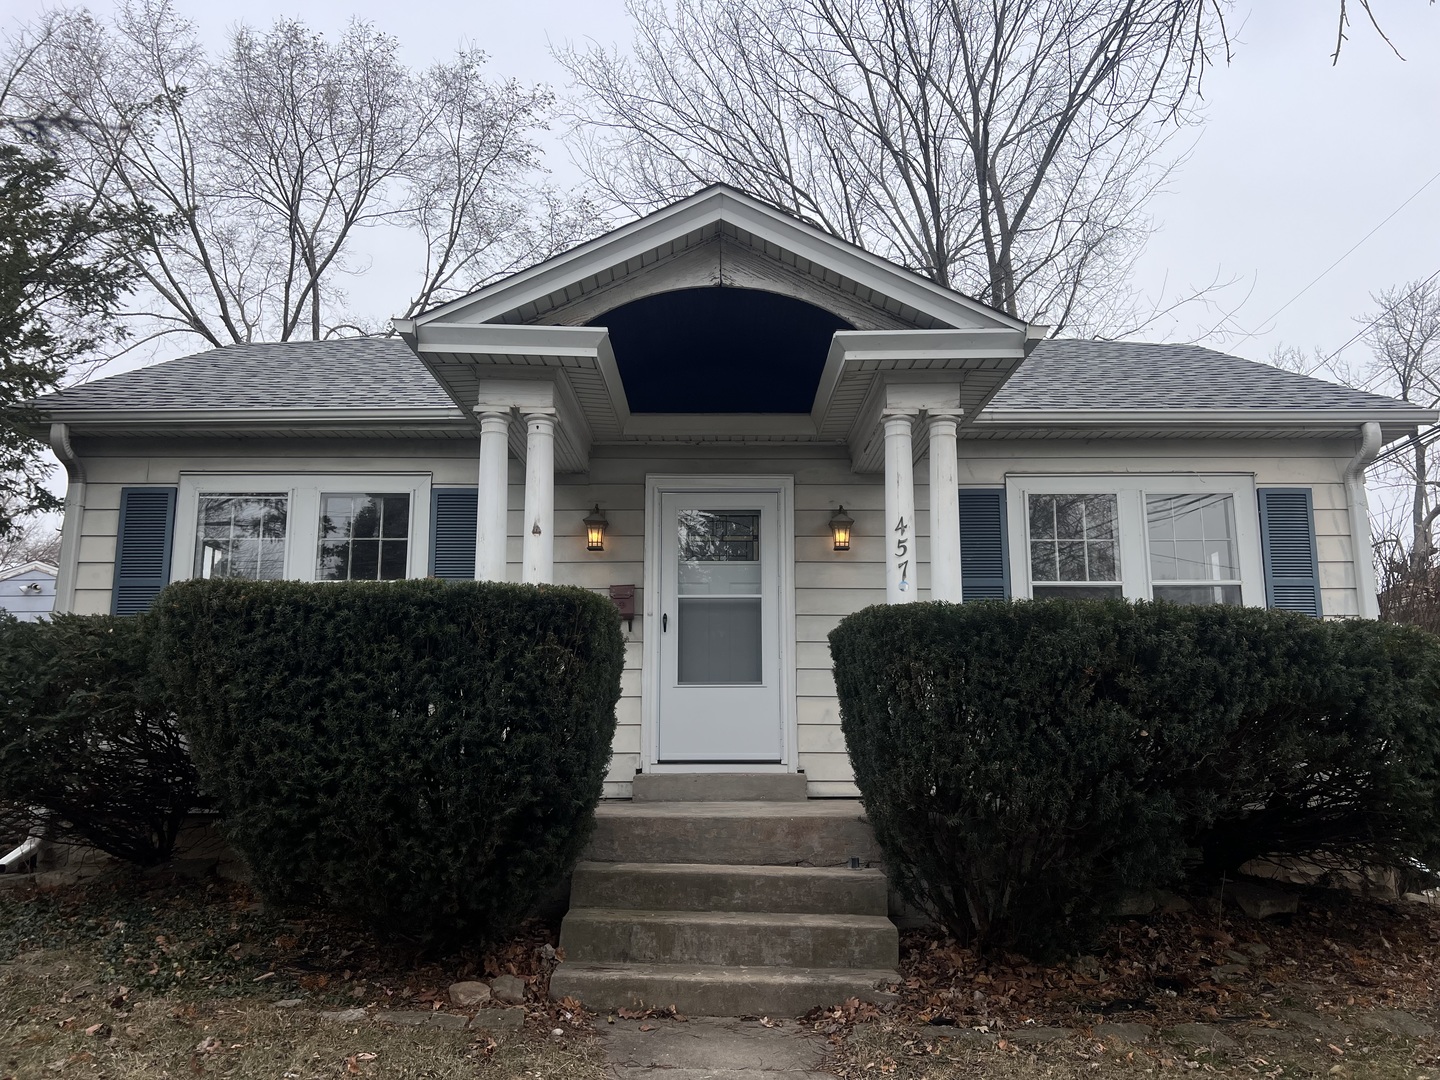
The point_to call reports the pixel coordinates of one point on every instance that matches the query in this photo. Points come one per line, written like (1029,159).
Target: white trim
(537,531)
(947,575)
(1130,489)
(159,415)
(902,548)
(657,485)
(1357,506)
(302,514)
(25,568)
(72,524)
(492,529)
(671,225)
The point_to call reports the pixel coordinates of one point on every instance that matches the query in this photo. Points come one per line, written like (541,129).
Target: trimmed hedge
(89,750)
(1025,765)
(425,754)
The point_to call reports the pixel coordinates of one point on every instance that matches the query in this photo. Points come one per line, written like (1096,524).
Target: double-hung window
(1074,545)
(1183,538)
(363,537)
(240,535)
(265,527)
(1194,548)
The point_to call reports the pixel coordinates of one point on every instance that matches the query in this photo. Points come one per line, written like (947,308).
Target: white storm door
(720,685)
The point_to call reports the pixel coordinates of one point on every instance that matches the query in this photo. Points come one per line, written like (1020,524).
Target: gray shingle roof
(377,373)
(345,373)
(1066,373)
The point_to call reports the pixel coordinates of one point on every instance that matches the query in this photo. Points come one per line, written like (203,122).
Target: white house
(712,391)
(27,591)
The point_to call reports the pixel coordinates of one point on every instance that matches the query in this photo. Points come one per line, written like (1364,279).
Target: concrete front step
(719,787)
(820,890)
(717,991)
(729,938)
(820,832)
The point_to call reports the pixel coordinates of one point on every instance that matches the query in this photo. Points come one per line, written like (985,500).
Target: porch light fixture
(840,529)
(595,523)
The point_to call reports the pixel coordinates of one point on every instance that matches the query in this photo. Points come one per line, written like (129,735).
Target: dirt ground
(905,1052)
(60,1018)
(166,977)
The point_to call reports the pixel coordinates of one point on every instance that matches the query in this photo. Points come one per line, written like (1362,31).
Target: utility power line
(1348,252)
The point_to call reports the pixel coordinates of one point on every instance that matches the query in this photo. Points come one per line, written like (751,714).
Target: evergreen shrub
(427,755)
(89,749)
(1026,765)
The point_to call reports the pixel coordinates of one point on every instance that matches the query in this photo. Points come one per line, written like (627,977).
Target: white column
(944,508)
(899,509)
(538,567)
(494,496)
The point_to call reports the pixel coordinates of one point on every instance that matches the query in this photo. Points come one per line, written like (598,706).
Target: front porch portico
(706,346)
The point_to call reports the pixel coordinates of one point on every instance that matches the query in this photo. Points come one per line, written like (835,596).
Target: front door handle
(664,624)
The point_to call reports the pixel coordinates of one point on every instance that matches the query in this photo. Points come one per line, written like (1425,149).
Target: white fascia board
(710,207)
(501,339)
(501,393)
(958,349)
(964,344)
(549,345)
(440,415)
(614,384)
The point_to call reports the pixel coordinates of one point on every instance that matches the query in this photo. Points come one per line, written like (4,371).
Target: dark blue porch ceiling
(720,350)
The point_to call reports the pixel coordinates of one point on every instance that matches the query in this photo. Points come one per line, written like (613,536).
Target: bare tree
(1404,338)
(31,539)
(268,162)
(472,195)
(1403,333)
(1343,25)
(1005,148)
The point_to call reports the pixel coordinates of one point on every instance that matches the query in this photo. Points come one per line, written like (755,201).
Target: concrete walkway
(707,1048)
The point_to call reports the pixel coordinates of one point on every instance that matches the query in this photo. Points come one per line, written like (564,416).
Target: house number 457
(902,550)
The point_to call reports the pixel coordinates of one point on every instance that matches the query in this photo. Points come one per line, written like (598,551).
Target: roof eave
(98,420)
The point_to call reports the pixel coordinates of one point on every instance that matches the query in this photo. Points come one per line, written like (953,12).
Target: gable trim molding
(695,219)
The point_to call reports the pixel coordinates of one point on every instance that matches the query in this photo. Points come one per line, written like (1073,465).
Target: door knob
(664,623)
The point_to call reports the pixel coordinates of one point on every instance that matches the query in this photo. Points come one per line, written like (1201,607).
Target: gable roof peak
(718,210)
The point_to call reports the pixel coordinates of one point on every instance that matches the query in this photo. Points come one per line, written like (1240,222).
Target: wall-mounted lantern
(840,529)
(595,524)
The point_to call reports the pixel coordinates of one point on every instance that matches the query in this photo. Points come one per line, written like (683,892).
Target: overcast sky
(1295,163)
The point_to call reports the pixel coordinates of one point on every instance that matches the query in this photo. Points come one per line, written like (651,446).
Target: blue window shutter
(142,549)
(452,532)
(984,555)
(1287,539)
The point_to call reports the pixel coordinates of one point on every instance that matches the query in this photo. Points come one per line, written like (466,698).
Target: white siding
(828,584)
(32,605)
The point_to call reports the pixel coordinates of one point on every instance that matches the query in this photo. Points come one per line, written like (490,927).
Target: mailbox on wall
(623,597)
